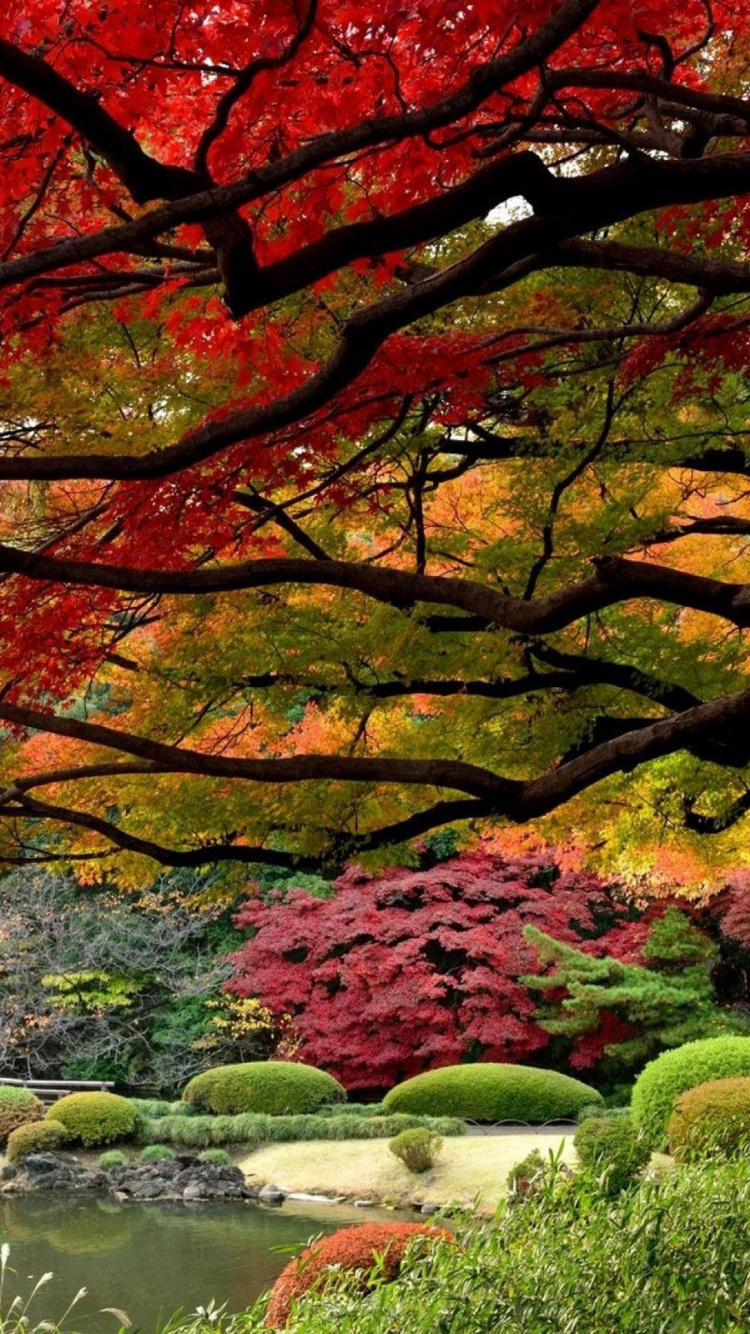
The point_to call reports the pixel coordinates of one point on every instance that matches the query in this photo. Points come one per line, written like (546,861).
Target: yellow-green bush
(95,1118)
(674,1072)
(492,1092)
(713,1118)
(18,1106)
(36,1137)
(279,1088)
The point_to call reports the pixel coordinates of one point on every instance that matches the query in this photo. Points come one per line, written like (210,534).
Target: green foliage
(666,1004)
(611,1149)
(153,1153)
(666,1258)
(17,1107)
(417,1148)
(36,1137)
(711,1119)
(219,1157)
(113,1158)
(275,1087)
(250,1128)
(160,1107)
(524,1175)
(492,1092)
(663,1080)
(95,1118)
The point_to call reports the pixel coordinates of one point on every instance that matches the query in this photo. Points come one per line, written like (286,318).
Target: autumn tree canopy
(373,425)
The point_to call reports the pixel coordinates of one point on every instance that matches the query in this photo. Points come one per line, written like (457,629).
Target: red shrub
(415,969)
(349,1249)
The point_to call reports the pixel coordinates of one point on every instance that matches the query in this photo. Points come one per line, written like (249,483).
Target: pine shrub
(95,1118)
(674,1072)
(493,1092)
(275,1087)
(18,1106)
(36,1137)
(711,1119)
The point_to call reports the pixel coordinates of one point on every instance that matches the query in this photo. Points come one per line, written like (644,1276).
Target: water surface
(149,1259)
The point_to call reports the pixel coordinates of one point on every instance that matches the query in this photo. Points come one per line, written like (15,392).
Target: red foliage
(349,1249)
(412,970)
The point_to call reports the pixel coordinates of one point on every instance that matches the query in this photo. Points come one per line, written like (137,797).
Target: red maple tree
(415,969)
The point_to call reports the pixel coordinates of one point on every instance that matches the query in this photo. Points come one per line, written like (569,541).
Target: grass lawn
(469,1166)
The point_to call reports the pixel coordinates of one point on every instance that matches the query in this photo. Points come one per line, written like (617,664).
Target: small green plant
(113,1158)
(612,1150)
(417,1149)
(525,1175)
(219,1157)
(154,1152)
(35,1137)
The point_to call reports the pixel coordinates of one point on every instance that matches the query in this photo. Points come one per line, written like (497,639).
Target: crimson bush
(349,1249)
(415,969)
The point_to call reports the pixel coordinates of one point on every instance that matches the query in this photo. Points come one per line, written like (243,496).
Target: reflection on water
(150,1259)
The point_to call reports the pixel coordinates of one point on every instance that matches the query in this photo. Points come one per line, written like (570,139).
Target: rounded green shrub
(18,1106)
(492,1092)
(219,1157)
(154,1152)
(674,1072)
(280,1088)
(95,1118)
(612,1149)
(713,1118)
(417,1149)
(113,1158)
(36,1137)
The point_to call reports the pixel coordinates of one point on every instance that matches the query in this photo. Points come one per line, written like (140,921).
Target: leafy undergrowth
(668,1255)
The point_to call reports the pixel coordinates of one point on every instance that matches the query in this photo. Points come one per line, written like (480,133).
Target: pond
(149,1259)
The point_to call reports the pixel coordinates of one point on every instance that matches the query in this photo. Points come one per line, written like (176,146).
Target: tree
(94,987)
(628,1012)
(410,970)
(408,486)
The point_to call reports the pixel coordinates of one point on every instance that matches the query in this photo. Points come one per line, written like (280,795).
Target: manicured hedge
(36,1137)
(378,1247)
(492,1092)
(279,1088)
(18,1106)
(713,1118)
(664,1079)
(198,1132)
(95,1118)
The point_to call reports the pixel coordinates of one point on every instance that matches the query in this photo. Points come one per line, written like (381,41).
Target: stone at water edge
(271,1194)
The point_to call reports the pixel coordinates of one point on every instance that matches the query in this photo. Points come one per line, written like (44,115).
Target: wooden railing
(50,1090)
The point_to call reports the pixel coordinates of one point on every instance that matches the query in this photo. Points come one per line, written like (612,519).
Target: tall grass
(17,1314)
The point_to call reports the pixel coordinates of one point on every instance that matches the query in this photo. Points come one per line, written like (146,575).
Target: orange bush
(349,1249)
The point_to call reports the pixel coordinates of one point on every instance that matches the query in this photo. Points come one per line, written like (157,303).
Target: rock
(363,1204)
(192,1192)
(429,1209)
(271,1194)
